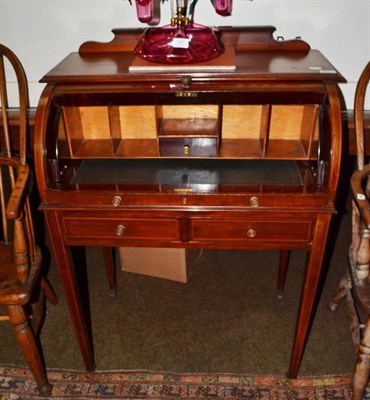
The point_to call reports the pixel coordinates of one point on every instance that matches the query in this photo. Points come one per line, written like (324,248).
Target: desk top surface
(268,61)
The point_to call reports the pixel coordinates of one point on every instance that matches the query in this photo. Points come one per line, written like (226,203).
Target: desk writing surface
(189,173)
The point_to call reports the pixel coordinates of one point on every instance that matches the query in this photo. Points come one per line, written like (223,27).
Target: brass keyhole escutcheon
(186,149)
(251,233)
(186,80)
(254,201)
(116,201)
(120,230)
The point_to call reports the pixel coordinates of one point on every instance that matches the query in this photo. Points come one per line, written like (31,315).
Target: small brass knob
(254,201)
(116,201)
(251,233)
(186,149)
(120,230)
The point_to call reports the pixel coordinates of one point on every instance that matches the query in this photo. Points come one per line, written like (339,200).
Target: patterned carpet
(16,383)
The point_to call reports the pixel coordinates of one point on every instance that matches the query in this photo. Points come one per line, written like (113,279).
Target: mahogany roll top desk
(242,152)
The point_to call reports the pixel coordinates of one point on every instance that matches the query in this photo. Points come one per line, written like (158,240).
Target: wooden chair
(22,286)
(355,285)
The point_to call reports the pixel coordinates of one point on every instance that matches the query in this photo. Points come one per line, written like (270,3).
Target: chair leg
(49,292)
(353,319)
(39,306)
(283,268)
(343,287)
(111,269)
(29,347)
(362,368)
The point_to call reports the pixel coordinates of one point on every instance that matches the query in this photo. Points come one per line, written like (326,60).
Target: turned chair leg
(38,307)
(49,292)
(362,368)
(29,347)
(111,269)
(283,268)
(343,287)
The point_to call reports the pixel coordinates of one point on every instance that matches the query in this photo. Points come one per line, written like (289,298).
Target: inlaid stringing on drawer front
(231,230)
(125,228)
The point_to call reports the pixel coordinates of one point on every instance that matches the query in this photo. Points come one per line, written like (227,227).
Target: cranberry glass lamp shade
(223,7)
(144,10)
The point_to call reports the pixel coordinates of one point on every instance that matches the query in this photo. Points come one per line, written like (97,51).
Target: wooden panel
(240,148)
(114,126)
(193,111)
(137,148)
(292,122)
(63,147)
(309,123)
(86,129)
(73,128)
(242,122)
(244,130)
(97,148)
(286,149)
(252,38)
(138,122)
(191,127)
(95,122)
(292,131)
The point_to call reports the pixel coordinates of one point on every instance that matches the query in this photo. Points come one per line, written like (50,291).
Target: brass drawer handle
(186,149)
(116,201)
(251,233)
(120,230)
(254,201)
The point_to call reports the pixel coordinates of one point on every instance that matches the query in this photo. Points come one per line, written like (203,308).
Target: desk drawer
(122,228)
(251,230)
(188,147)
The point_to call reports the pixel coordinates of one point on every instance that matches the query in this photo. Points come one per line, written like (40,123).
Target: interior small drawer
(188,147)
(251,230)
(124,228)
